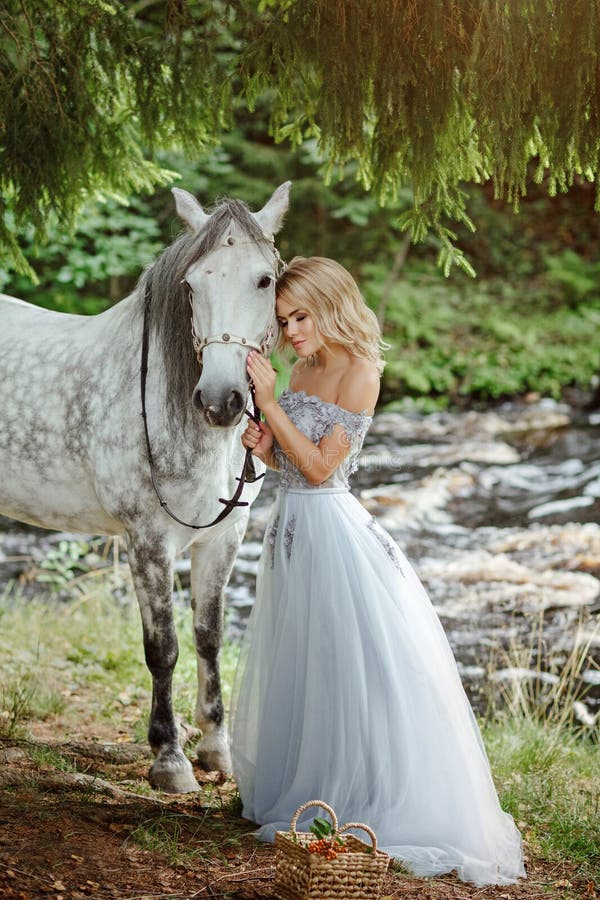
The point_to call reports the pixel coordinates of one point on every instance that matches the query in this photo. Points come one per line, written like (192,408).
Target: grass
(84,659)
(56,654)
(183,840)
(549,779)
(546,763)
(48,757)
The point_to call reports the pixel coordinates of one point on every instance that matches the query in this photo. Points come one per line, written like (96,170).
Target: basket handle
(310,803)
(366,828)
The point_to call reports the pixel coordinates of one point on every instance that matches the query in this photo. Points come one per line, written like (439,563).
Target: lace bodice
(315,418)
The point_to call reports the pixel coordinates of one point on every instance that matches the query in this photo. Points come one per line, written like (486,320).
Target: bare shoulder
(359,386)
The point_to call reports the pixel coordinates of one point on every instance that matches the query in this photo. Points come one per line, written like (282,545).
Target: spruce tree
(432,94)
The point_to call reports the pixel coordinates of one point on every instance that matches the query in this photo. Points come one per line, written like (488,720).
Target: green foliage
(322,828)
(15,707)
(89,91)
(62,565)
(425,96)
(93,644)
(484,342)
(52,651)
(578,278)
(432,94)
(84,269)
(546,762)
(103,257)
(183,839)
(47,757)
(24,697)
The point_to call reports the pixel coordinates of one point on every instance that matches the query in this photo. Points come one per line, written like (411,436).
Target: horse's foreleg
(151,565)
(211,568)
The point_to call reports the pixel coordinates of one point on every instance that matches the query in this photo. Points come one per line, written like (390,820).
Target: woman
(347,690)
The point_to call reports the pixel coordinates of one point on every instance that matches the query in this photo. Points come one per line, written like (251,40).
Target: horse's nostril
(211,414)
(216,410)
(235,403)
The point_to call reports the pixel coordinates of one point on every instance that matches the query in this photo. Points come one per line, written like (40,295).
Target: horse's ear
(189,210)
(270,217)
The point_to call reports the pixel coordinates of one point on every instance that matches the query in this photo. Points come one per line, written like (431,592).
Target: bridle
(248,474)
(266,345)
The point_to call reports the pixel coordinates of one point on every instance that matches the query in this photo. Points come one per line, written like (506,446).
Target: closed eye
(265,281)
(283,322)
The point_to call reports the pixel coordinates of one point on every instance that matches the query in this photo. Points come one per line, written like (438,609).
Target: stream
(497,510)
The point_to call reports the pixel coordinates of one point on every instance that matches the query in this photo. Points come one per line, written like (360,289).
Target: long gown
(347,690)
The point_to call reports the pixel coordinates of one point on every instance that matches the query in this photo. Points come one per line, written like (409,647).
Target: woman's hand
(259,438)
(262,375)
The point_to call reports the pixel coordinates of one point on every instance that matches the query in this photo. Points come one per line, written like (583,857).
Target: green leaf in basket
(321,828)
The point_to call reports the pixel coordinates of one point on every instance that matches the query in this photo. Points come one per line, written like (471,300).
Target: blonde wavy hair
(331,297)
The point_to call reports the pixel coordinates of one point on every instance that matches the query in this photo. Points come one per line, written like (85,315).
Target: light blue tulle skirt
(347,691)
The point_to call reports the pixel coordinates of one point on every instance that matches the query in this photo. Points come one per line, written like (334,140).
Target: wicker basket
(356,874)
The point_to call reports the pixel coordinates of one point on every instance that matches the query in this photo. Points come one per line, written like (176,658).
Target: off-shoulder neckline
(364,414)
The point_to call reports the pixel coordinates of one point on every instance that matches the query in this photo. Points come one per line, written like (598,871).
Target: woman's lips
(296,344)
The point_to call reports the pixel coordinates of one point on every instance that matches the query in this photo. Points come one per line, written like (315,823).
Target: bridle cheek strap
(268,342)
(248,474)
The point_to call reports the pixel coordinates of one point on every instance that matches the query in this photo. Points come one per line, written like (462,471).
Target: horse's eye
(265,282)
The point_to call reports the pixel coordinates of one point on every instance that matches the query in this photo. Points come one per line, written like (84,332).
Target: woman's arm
(315,461)
(259,438)
(358,392)
(270,461)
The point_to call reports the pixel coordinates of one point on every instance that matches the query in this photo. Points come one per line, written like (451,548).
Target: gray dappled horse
(73,451)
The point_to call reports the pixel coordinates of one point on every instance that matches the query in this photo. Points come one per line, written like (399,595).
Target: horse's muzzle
(223,413)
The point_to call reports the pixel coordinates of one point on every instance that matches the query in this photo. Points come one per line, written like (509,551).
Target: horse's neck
(189,432)
(180,444)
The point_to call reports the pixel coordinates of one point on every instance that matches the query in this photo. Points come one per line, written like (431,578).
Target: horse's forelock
(222,214)
(169,310)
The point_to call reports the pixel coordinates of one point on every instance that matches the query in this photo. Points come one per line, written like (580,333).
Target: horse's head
(231,288)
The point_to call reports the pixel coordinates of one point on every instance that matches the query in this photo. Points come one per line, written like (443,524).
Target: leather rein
(248,474)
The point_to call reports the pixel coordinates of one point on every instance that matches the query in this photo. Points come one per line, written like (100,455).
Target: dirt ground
(78,820)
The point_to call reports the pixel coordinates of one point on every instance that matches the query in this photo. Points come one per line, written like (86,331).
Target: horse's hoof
(217,760)
(174,775)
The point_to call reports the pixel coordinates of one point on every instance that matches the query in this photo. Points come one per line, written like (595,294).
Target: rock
(12,754)
(500,580)
(572,546)
(399,505)
(583,715)
(428,455)
(559,507)
(513,419)
(592,489)
(518,673)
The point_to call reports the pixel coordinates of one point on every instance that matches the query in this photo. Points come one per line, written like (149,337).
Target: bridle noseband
(248,474)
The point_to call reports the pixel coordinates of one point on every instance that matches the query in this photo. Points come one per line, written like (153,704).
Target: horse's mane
(169,314)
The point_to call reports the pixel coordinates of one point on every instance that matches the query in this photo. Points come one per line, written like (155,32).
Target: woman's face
(298,327)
